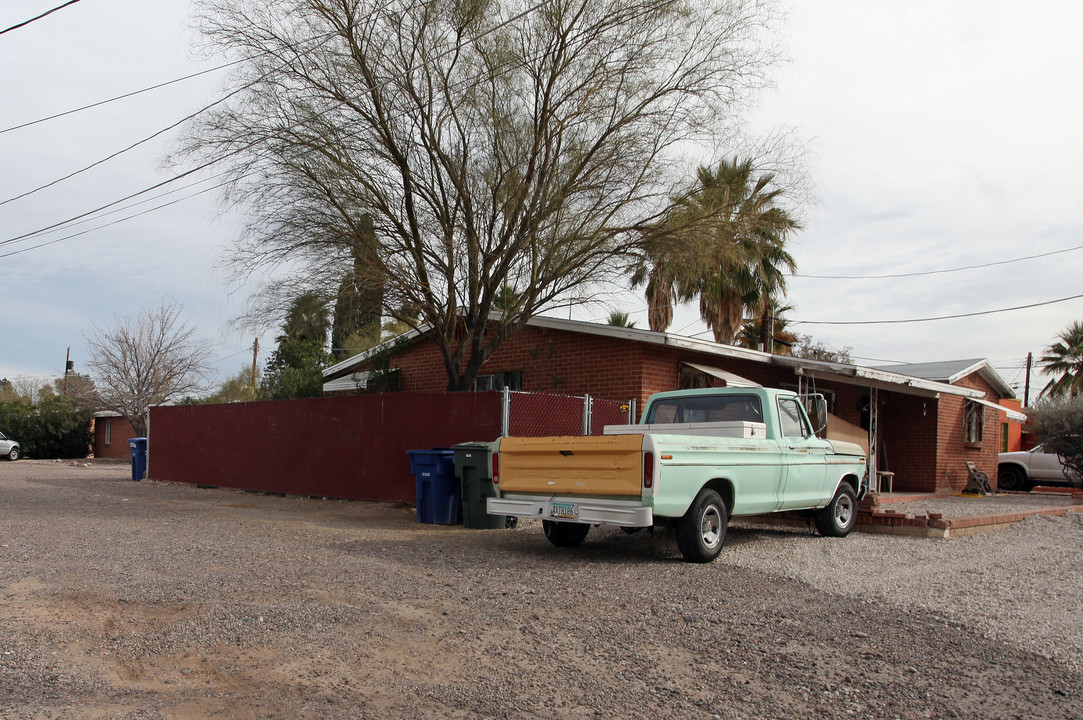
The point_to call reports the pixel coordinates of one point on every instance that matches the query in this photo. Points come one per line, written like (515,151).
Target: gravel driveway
(148,600)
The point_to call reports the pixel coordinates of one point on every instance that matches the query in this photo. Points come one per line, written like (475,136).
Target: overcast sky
(940,134)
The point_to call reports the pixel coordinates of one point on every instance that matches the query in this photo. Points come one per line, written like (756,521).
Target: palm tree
(769,331)
(741,235)
(1065,360)
(725,243)
(619,319)
(654,269)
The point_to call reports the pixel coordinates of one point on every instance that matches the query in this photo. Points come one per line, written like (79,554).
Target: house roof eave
(840,372)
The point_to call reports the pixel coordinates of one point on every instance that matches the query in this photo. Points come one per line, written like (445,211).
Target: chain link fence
(531,414)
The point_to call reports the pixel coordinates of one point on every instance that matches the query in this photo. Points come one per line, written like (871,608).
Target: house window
(973,421)
(108,432)
(513,380)
(1004,437)
(693,379)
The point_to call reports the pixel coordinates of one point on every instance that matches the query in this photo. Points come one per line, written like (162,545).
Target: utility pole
(255,356)
(1026,389)
(67,366)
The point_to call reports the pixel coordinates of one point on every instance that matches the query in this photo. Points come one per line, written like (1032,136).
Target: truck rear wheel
(840,515)
(702,530)
(565,534)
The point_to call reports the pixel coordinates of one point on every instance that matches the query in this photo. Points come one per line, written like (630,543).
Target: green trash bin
(474,468)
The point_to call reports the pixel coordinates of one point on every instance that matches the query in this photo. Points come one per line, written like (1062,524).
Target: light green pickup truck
(697,458)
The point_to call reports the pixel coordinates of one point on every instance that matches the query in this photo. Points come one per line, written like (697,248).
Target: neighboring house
(923,430)
(977,373)
(111,432)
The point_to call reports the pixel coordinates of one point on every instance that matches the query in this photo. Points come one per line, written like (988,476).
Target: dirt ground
(149,600)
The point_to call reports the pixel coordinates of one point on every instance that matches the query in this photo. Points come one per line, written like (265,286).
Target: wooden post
(255,355)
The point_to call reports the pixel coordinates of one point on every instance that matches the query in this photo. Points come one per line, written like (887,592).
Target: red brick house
(922,430)
(111,432)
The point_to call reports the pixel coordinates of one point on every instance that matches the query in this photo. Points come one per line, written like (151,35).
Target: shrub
(53,427)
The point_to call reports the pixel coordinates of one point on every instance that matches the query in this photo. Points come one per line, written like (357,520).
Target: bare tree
(145,361)
(492,146)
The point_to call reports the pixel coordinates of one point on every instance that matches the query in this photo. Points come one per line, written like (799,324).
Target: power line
(99,216)
(117,97)
(25,236)
(118,152)
(879,360)
(114,222)
(156,134)
(71,220)
(932,319)
(938,272)
(39,17)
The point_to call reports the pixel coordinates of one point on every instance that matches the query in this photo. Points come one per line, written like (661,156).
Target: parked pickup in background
(697,458)
(1024,469)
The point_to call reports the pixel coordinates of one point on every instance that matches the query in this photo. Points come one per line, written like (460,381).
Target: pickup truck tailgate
(572,465)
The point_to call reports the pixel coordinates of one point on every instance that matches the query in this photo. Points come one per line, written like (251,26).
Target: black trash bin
(439,496)
(474,468)
(138,448)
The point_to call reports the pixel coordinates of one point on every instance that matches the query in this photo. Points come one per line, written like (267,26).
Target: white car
(1025,469)
(9,448)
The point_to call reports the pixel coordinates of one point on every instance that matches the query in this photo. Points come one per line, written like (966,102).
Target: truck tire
(1011,479)
(565,534)
(840,515)
(702,530)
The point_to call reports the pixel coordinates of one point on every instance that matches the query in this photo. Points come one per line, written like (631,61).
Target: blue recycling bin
(439,493)
(138,448)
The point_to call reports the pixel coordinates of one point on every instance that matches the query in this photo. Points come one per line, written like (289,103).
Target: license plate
(562,510)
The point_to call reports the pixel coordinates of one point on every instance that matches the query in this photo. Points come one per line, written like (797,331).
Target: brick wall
(551,361)
(111,437)
(908,436)
(954,451)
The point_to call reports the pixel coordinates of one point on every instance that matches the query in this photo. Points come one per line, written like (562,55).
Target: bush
(54,427)
(1058,423)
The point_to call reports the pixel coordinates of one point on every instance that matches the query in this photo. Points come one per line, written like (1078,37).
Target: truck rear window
(706,408)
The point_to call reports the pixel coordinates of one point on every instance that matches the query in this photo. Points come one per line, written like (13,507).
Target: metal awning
(1012,414)
(731,379)
(349,383)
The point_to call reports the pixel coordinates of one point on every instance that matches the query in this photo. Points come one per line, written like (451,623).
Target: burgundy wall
(351,447)
(343,447)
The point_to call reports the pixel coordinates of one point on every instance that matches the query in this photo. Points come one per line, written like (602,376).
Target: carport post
(874,421)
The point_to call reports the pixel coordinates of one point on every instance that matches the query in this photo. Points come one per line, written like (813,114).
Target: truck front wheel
(565,534)
(702,530)
(840,515)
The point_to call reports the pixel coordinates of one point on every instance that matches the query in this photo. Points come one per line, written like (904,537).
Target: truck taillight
(496,469)
(648,469)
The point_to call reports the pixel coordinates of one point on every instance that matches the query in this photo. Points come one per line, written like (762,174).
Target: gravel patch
(1020,584)
(148,600)
(960,506)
